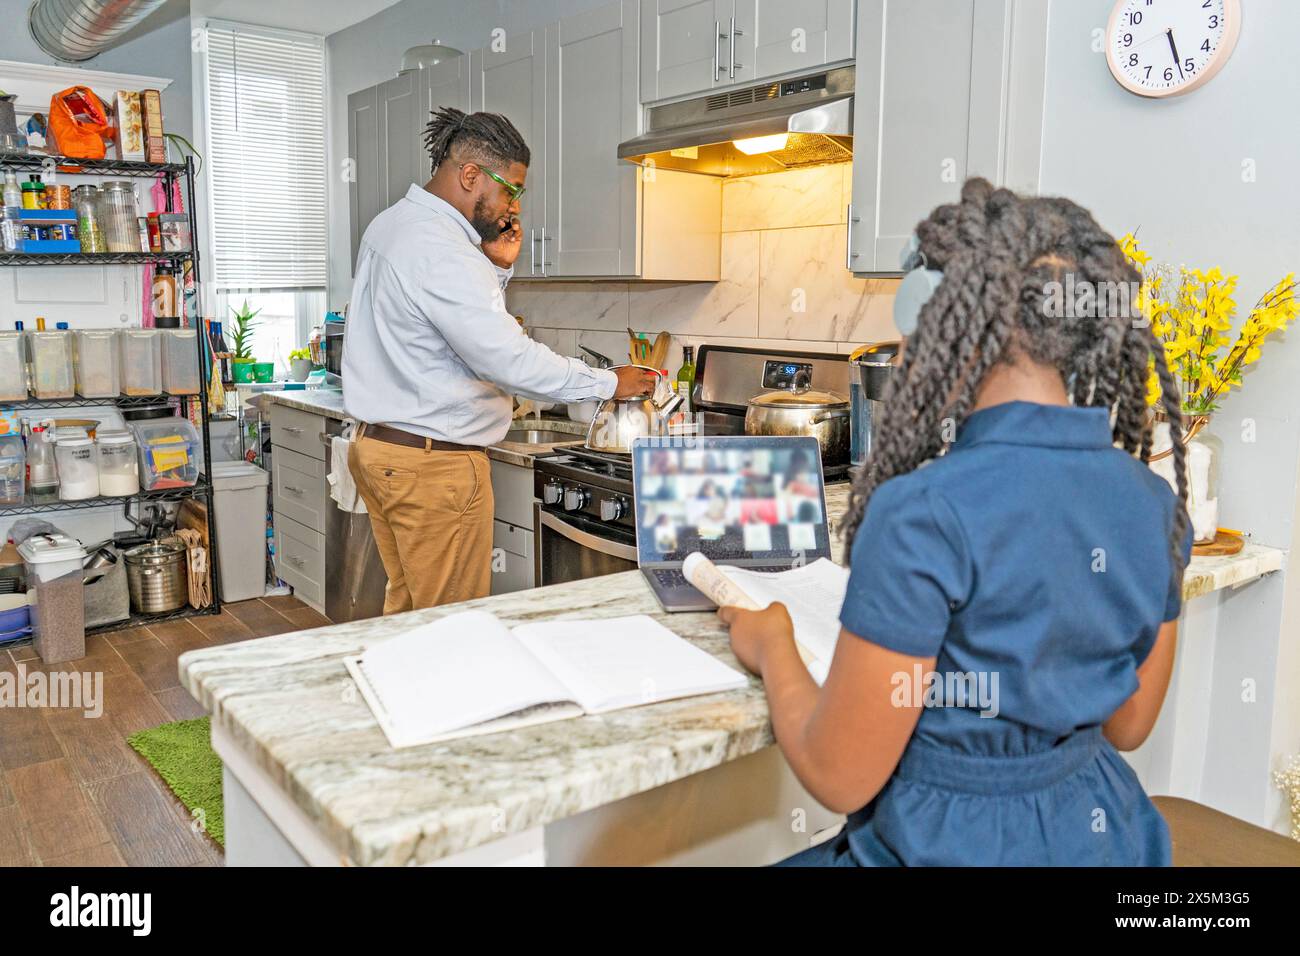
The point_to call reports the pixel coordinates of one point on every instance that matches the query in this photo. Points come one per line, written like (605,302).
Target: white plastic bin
(53,564)
(239,489)
(95,362)
(13,367)
(78,469)
(141,361)
(180,368)
(119,471)
(51,364)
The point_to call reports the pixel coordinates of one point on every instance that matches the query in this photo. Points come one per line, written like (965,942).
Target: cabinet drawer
(298,431)
(512,493)
(512,558)
(300,488)
(300,559)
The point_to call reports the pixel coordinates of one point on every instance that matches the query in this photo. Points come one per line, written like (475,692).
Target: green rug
(183,756)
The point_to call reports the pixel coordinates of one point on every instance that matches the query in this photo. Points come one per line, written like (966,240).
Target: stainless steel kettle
(620,420)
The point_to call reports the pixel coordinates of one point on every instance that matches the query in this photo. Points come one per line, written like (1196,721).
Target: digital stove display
(782,375)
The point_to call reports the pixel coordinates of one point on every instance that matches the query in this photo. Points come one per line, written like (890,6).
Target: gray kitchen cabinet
(694,46)
(683,47)
(591,195)
(399,136)
(792,36)
(511,81)
(512,528)
(444,84)
(928,112)
(298,501)
(366,167)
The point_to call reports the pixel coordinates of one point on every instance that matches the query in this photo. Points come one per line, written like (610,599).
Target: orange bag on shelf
(78,123)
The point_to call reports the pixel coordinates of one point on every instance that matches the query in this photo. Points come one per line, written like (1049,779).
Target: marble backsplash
(783,282)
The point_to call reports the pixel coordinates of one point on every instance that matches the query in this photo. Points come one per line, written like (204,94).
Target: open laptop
(753,502)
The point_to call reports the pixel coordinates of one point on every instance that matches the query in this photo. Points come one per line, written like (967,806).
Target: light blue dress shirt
(430,346)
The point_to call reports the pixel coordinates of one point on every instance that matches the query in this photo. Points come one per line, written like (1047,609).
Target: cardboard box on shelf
(130,126)
(155,146)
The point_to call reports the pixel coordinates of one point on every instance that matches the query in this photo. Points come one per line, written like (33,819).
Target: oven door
(573,548)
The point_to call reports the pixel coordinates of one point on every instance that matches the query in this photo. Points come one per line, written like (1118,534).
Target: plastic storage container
(78,469)
(140,353)
(119,470)
(13,470)
(180,361)
(53,564)
(94,358)
(13,367)
(169,453)
(240,492)
(51,354)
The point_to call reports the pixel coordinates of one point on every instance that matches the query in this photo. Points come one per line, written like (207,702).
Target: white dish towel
(342,488)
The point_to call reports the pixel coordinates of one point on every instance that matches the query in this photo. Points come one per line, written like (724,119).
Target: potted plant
(300,364)
(242,341)
(1191,313)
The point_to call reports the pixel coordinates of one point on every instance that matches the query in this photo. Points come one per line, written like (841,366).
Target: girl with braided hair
(1016,567)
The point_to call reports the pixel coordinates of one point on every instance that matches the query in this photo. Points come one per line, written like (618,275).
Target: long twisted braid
(482,137)
(999,252)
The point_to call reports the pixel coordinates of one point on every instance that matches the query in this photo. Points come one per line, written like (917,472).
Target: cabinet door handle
(293,430)
(292,490)
(849,254)
(532,252)
(734,65)
(717,48)
(296,562)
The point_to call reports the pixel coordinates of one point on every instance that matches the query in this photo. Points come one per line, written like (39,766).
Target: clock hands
(1174,50)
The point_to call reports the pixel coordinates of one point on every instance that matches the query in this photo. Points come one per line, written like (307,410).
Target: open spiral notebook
(469,674)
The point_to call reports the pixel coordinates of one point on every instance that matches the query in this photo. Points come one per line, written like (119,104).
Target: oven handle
(612,548)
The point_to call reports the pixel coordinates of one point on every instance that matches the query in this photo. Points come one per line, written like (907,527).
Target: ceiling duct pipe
(76,30)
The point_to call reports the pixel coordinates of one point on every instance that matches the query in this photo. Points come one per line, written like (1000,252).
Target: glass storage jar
(42,469)
(94,360)
(51,354)
(90,226)
(140,355)
(78,470)
(13,470)
(117,213)
(119,472)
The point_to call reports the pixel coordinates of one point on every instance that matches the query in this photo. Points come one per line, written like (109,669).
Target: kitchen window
(265,179)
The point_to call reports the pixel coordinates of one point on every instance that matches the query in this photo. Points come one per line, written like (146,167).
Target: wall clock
(1161,48)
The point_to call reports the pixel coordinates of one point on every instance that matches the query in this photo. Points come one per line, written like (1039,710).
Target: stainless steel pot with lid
(157,577)
(801,410)
(618,421)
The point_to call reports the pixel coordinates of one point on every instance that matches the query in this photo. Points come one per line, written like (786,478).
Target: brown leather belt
(395,436)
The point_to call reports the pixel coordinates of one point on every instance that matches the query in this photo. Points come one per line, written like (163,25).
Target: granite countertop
(329,402)
(284,700)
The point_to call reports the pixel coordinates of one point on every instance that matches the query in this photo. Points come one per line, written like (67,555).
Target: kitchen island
(310,777)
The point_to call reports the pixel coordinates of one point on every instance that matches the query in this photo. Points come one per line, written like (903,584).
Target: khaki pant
(431,513)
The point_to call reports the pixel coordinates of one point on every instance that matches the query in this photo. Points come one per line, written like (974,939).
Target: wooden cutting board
(1222,545)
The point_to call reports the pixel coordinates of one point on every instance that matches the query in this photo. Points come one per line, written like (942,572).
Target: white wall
(1173,169)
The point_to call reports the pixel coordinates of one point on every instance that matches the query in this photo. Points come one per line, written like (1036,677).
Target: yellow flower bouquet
(1192,318)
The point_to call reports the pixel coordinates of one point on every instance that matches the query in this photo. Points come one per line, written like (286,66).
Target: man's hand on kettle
(634,382)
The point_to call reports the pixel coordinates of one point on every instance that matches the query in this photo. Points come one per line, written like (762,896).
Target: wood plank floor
(72,793)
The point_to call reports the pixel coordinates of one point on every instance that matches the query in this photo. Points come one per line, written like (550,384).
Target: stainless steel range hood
(813,113)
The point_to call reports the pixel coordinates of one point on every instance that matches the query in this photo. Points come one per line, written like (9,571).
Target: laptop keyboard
(673,577)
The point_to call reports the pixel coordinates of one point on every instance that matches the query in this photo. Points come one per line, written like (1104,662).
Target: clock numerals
(1163,47)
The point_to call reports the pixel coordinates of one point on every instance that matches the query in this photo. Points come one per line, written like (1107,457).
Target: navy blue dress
(1033,562)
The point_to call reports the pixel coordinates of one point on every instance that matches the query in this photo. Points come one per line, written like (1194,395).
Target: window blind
(266,128)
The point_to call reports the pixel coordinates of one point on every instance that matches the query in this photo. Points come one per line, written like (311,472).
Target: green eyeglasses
(516,192)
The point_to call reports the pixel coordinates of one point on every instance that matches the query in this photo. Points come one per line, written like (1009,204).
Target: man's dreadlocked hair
(487,138)
(998,252)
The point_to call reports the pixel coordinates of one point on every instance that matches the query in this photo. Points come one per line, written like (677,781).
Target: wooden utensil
(1222,546)
(660,350)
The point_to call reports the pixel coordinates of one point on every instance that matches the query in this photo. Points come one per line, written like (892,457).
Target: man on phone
(433,359)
